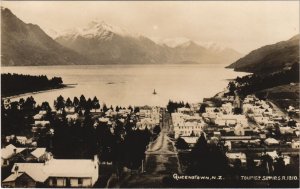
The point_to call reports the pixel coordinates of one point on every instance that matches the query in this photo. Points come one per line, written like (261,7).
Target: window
(5,162)
(54,181)
(80,181)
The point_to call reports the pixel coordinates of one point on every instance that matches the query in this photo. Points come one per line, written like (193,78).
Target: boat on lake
(154,92)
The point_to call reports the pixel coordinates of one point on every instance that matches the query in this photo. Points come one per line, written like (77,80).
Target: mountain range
(270,58)
(27,44)
(97,43)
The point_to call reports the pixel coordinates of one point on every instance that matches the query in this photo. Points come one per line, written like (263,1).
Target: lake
(134,84)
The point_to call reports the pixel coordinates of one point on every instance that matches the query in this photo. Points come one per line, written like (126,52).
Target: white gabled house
(54,173)
(8,152)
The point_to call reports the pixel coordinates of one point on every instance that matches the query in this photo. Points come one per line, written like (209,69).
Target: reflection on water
(134,84)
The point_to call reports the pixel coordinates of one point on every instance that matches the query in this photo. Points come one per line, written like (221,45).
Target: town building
(54,173)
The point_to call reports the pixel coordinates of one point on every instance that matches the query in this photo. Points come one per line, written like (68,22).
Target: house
(191,140)
(286,159)
(70,109)
(217,134)
(26,175)
(72,117)
(8,152)
(231,120)
(227,144)
(41,123)
(72,173)
(38,117)
(271,141)
(286,130)
(268,112)
(273,155)
(146,123)
(21,139)
(54,173)
(189,128)
(228,99)
(184,110)
(211,109)
(259,119)
(249,99)
(239,130)
(295,144)
(233,157)
(103,119)
(42,112)
(39,155)
(227,108)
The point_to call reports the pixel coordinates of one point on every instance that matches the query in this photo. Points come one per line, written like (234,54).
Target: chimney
(15,150)
(96,160)
(16,170)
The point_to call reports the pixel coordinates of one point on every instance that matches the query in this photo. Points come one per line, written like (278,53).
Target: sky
(241,25)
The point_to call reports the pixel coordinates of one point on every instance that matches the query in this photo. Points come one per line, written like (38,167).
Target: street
(160,164)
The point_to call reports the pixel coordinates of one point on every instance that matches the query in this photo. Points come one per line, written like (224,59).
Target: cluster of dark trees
(181,144)
(17,119)
(121,144)
(16,116)
(78,104)
(173,106)
(253,83)
(209,159)
(13,84)
(81,103)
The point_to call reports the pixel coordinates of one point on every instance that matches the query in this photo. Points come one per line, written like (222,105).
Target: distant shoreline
(119,64)
(65,86)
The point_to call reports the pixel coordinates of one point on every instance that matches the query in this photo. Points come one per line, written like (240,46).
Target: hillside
(26,44)
(270,58)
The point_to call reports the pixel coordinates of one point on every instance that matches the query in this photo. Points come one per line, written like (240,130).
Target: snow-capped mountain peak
(100,30)
(170,42)
(213,46)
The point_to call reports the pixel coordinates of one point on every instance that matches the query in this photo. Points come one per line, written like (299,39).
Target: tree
(136,109)
(156,129)
(89,104)
(231,87)
(69,103)
(181,144)
(187,105)
(202,107)
(192,134)
(96,104)
(76,102)
(21,103)
(130,108)
(200,147)
(237,111)
(45,106)
(82,102)
(59,104)
(292,123)
(29,104)
(105,109)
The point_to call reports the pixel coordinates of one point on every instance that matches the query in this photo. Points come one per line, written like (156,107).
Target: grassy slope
(283,96)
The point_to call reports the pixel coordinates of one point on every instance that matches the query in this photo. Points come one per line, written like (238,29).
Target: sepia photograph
(150,94)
